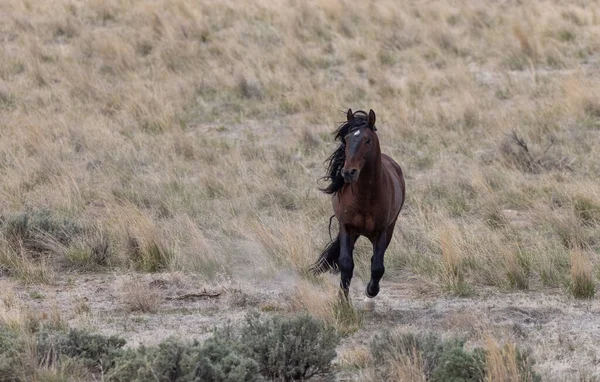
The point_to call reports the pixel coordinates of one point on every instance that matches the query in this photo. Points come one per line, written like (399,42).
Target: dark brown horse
(368,194)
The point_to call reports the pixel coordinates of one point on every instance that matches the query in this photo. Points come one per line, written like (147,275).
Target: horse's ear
(349,115)
(371,120)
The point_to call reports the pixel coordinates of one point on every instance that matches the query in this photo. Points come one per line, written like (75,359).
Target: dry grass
(184,132)
(138,296)
(23,267)
(286,241)
(12,311)
(358,357)
(407,368)
(502,363)
(325,303)
(19,317)
(453,273)
(582,283)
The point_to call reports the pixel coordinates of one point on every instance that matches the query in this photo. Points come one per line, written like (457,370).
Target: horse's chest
(363,222)
(358,216)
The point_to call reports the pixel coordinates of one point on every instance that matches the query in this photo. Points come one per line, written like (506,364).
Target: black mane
(335,162)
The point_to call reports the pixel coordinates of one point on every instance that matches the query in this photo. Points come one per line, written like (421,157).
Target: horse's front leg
(377,267)
(346,262)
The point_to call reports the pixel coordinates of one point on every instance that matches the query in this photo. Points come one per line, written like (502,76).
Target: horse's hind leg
(377,267)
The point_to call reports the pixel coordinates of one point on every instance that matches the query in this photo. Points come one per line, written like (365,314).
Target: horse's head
(361,144)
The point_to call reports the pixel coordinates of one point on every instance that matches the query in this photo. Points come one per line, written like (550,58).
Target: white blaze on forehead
(357,132)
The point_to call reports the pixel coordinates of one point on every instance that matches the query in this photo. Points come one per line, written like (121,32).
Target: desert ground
(160,165)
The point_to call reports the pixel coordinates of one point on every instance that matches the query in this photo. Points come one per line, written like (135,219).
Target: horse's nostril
(350,175)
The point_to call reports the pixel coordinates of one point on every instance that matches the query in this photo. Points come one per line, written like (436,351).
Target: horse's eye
(368,140)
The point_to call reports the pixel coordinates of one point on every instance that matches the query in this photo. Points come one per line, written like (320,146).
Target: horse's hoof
(369,304)
(369,295)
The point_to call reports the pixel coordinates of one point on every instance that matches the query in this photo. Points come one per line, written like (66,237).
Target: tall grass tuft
(582,284)
(453,272)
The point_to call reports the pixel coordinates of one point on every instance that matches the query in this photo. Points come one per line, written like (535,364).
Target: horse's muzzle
(350,176)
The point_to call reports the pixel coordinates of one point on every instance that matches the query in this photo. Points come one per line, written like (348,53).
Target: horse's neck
(370,177)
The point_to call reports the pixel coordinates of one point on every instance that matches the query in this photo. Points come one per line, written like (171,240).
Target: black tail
(328,260)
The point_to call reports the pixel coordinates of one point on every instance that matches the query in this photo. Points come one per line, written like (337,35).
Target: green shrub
(94,351)
(457,365)
(34,229)
(277,348)
(217,359)
(162,363)
(70,352)
(288,349)
(442,360)
(10,349)
(220,361)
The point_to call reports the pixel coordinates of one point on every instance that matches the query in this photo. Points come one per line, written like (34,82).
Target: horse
(368,192)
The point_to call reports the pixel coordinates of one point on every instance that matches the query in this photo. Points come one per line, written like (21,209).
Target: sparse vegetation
(278,348)
(426,357)
(95,352)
